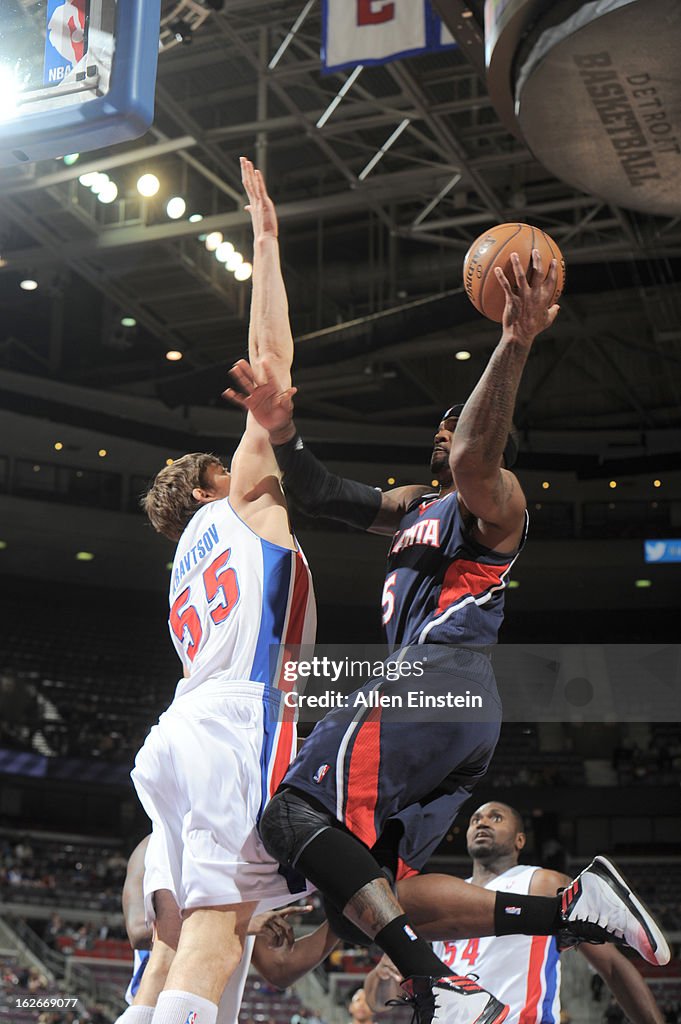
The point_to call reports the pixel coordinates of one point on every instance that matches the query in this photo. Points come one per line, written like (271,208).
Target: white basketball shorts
(199,778)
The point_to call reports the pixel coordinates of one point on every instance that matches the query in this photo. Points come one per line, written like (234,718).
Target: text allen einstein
(375,699)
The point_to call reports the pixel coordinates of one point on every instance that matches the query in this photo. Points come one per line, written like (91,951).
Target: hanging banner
(376,31)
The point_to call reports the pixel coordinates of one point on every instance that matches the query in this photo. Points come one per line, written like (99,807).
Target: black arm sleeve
(320,493)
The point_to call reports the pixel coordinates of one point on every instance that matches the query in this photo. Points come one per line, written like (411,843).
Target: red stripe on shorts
(528,1014)
(362,784)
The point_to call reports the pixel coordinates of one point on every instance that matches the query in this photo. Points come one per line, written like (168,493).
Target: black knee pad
(289,823)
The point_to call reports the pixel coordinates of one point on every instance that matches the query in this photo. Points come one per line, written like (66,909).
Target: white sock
(184,1008)
(136,1015)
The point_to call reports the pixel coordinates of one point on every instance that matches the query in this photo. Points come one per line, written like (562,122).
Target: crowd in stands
(658,763)
(42,870)
(32,717)
(22,984)
(75,937)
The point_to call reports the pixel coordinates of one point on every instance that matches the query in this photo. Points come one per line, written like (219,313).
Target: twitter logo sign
(662,550)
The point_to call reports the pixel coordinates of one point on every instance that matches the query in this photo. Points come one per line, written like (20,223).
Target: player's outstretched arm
(307,481)
(283,964)
(269,331)
(624,982)
(491,493)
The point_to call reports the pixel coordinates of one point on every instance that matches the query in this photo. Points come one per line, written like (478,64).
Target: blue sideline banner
(376,31)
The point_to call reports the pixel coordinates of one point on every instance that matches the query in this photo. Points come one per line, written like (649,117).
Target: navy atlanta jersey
(441,585)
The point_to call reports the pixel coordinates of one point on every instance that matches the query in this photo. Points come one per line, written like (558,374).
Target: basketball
(493,249)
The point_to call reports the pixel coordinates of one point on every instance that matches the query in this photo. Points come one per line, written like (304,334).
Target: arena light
(88,180)
(643,584)
(108,193)
(243,271)
(173,355)
(657,483)
(84,556)
(391,480)
(9,92)
(100,182)
(462,355)
(28,284)
(128,321)
(513,584)
(612,485)
(58,446)
(3,545)
(169,462)
(434,483)
(545,485)
(182,31)
(148,185)
(223,251)
(176,207)
(71,158)
(195,218)
(213,240)
(234,261)
(102,453)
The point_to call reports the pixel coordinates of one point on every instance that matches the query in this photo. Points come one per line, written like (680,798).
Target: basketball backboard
(75,75)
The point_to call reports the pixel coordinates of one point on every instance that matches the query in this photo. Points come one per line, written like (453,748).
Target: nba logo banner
(65,38)
(375,31)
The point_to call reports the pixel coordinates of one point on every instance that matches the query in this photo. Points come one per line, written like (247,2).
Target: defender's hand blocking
(271,407)
(527,313)
(260,206)
(274,927)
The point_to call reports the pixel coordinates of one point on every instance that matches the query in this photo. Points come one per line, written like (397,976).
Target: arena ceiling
(372,258)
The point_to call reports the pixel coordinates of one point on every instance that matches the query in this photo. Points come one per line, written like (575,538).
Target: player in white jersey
(240,588)
(522,971)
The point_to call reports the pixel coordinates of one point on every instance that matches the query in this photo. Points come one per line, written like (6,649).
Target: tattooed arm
(490,495)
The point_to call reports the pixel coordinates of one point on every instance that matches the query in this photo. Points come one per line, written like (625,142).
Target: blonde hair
(169,502)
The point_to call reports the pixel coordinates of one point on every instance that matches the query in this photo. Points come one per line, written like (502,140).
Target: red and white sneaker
(600,906)
(463,1000)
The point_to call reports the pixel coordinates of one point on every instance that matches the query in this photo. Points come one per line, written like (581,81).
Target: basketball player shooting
(443,604)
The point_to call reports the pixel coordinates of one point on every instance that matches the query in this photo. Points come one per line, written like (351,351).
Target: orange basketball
(493,249)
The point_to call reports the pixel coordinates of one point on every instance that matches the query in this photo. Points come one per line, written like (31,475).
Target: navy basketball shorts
(410,749)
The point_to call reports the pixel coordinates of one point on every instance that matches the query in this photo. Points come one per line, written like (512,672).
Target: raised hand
(264,399)
(527,312)
(260,206)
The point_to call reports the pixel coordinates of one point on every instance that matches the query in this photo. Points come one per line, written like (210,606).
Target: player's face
(359,1008)
(492,832)
(216,481)
(442,442)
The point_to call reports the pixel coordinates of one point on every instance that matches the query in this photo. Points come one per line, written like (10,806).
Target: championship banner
(376,31)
